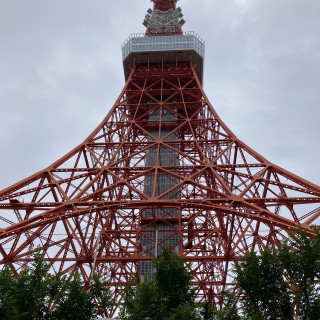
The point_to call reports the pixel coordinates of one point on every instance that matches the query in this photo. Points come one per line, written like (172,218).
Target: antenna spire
(164,19)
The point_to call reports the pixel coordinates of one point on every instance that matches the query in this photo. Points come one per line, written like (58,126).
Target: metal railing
(138,42)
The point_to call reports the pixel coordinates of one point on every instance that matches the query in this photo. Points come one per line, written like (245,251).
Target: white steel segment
(163,20)
(140,43)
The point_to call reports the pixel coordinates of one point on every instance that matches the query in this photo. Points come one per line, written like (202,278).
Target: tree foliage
(300,260)
(278,284)
(168,296)
(35,294)
(229,311)
(265,292)
(282,283)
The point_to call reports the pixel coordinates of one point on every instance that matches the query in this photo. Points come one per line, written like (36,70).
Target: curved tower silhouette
(161,169)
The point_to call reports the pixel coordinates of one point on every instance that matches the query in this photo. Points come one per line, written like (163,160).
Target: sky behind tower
(61,71)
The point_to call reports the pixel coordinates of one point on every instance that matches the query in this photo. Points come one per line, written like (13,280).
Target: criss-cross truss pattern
(218,198)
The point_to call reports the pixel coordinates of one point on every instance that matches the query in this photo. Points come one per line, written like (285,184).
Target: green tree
(74,302)
(168,296)
(7,285)
(229,310)
(266,295)
(25,297)
(300,258)
(36,294)
(282,283)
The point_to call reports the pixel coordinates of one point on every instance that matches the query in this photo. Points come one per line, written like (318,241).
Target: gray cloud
(61,71)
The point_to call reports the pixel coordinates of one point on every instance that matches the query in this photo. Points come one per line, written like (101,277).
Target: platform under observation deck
(153,49)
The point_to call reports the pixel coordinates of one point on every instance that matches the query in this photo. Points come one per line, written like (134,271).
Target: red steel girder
(226,199)
(164,5)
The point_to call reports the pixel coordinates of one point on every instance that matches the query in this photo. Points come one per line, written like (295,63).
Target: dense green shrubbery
(168,296)
(279,284)
(35,294)
(282,283)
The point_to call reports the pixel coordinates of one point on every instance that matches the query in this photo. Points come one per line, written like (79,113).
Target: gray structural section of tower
(156,235)
(140,49)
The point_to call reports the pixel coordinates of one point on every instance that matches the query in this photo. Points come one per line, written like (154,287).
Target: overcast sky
(61,71)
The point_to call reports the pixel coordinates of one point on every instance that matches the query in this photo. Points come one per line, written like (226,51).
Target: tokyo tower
(162,169)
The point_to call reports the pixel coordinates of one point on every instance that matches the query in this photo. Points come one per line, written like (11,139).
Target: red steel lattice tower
(161,169)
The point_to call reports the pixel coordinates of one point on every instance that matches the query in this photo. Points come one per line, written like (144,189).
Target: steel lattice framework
(213,200)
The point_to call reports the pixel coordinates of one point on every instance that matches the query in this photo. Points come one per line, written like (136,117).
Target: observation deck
(173,48)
